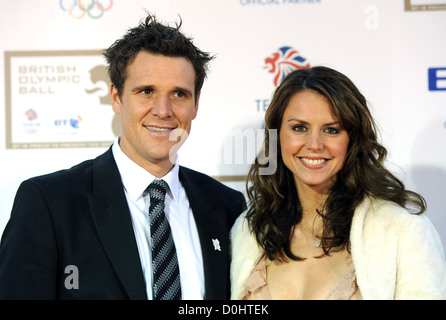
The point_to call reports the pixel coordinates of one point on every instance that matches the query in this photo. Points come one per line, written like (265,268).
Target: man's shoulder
(219,193)
(206,181)
(76,177)
(78,170)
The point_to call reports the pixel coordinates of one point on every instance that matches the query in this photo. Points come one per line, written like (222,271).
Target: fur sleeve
(421,272)
(397,255)
(244,255)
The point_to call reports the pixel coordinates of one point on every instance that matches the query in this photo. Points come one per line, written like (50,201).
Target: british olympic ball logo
(78,9)
(284,61)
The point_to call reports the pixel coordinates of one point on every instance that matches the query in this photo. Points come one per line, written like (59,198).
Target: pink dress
(256,287)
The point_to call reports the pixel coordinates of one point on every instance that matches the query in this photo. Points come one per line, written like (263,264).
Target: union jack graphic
(31,114)
(283,61)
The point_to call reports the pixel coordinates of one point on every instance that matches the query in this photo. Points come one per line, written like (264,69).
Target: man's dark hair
(156,38)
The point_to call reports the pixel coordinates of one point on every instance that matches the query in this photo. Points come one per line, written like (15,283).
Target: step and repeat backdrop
(56,105)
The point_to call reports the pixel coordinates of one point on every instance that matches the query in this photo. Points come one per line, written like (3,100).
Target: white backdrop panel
(383,48)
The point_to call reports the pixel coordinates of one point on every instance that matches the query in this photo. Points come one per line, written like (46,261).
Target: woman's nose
(315,142)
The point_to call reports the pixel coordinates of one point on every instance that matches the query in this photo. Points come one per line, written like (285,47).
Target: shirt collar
(136,179)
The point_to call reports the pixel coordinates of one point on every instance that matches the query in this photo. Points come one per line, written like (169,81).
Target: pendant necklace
(317,242)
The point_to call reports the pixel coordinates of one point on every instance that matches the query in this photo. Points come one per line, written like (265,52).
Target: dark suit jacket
(80,217)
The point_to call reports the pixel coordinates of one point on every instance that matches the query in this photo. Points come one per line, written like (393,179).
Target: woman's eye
(331,130)
(299,128)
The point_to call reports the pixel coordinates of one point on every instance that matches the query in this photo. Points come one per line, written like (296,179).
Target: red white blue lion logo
(283,61)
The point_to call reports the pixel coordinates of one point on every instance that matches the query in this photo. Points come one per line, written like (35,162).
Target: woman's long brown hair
(274,206)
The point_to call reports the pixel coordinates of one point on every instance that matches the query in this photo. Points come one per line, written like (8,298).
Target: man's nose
(162,107)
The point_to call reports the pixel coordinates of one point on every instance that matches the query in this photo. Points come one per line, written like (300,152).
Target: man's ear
(196,105)
(115,99)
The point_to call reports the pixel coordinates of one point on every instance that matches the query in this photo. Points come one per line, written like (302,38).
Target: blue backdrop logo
(284,61)
(437,79)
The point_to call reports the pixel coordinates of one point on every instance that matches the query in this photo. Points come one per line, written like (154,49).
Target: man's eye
(146,91)
(180,94)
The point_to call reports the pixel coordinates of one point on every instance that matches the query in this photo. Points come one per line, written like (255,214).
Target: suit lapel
(113,223)
(214,238)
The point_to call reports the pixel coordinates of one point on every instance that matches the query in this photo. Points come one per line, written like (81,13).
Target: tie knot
(157,190)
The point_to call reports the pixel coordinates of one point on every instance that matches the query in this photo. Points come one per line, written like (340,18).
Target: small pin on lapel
(216,244)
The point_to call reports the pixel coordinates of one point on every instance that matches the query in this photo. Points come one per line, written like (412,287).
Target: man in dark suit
(81,233)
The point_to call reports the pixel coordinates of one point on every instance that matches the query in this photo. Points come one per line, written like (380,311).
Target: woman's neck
(312,202)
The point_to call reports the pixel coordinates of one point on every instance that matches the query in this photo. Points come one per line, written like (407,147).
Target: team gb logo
(284,61)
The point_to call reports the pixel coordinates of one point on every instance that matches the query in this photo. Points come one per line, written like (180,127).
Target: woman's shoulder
(240,232)
(386,220)
(245,253)
(385,212)
(387,240)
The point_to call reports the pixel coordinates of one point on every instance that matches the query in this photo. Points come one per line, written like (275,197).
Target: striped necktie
(166,274)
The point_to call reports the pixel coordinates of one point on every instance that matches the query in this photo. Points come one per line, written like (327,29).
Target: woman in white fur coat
(327,220)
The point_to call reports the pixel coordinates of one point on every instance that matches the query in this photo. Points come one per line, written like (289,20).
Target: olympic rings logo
(78,9)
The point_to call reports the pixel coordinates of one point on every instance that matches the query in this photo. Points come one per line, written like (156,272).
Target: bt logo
(437,79)
(73,122)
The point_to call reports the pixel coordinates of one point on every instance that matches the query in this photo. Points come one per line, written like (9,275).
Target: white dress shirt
(135,180)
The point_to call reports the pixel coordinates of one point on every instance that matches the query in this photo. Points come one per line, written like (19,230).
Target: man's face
(158,97)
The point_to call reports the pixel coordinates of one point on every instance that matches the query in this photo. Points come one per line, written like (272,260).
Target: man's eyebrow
(189,92)
(142,87)
(149,86)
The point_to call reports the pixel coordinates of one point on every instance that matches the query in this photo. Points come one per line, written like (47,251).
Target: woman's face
(313,145)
